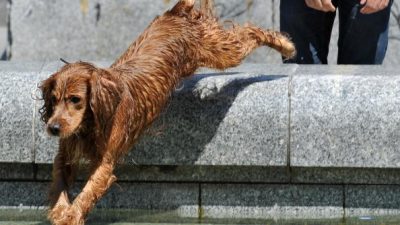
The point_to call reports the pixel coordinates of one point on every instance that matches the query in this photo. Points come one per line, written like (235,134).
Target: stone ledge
(345,116)
(339,117)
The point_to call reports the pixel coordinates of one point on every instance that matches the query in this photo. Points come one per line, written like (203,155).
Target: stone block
(204,173)
(90,35)
(372,200)
(145,200)
(17,171)
(82,30)
(345,116)
(171,173)
(16,111)
(45,145)
(271,201)
(95,30)
(337,175)
(245,93)
(183,198)
(221,119)
(23,194)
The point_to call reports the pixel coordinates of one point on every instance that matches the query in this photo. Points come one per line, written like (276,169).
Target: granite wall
(257,142)
(99,29)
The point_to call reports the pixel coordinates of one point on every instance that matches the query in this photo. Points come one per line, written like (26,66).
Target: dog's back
(201,37)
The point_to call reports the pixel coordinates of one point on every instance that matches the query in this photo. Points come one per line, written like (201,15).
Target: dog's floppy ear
(47,109)
(104,100)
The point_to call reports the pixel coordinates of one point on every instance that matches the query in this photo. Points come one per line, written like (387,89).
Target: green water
(128,217)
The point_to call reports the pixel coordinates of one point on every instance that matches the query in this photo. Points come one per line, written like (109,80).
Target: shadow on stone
(192,120)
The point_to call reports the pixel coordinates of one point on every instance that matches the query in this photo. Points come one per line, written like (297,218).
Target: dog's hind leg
(226,48)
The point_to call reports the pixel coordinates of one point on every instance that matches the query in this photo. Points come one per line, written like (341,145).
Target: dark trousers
(363,38)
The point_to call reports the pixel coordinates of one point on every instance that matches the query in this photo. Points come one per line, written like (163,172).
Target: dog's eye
(53,99)
(75,99)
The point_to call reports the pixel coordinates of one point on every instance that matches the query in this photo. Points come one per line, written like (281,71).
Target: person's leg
(309,29)
(363,38)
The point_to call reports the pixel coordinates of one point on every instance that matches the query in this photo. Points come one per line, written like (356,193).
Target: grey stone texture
(144,196)
(95,30)
(372,200)
(257,141)
(145,199)
(80,30)
(337,175)
(16,111)
(168,202)
(190,173)
(23,194)
(271,201)
(340,116)
(342,120)
(222,119)
(46,146)
(17,171)
(213,113)
(181,198)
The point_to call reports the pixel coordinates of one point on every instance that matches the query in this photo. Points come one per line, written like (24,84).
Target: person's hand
(373,6)
(322,5)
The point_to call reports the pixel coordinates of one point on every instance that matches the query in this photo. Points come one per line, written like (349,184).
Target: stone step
(252,115)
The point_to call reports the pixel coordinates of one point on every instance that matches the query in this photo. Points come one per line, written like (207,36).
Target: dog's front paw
(67,216)
(57,212)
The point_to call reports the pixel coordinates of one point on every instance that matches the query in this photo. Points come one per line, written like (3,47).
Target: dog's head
(75,97)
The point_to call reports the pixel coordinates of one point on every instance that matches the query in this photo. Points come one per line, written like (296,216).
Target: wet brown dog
(100,113)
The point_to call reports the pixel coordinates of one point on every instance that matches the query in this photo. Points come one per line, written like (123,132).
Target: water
(130,217)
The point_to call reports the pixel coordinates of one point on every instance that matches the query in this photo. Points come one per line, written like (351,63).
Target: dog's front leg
(97,185)
(119,141)
(62,178)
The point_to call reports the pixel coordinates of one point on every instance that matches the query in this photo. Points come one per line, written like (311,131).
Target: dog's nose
(54,129)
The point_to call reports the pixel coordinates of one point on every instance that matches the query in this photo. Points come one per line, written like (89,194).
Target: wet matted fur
(99,113)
